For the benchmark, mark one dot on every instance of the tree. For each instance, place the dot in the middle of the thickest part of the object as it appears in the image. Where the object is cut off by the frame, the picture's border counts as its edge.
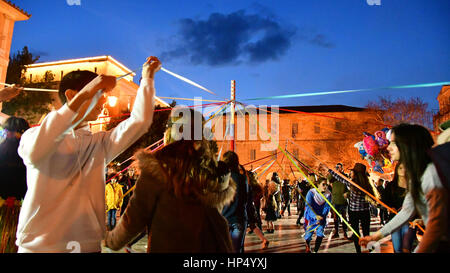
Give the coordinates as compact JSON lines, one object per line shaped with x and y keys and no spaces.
{"x":30,"y":105}
{"x":393,"y":112}
{"x":17,"y":64}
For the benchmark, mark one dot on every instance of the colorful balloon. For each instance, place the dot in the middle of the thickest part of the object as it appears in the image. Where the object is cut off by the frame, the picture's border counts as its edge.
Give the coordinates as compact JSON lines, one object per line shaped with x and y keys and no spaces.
{"x":360,"y":147}
{"x":380,"y":138}
{"x":373,"y":148}
{"x":370,"y":145}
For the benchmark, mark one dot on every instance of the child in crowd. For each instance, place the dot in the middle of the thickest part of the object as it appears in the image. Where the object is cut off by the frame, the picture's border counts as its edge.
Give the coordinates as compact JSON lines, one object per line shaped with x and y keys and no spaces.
{"x":316,"y":213}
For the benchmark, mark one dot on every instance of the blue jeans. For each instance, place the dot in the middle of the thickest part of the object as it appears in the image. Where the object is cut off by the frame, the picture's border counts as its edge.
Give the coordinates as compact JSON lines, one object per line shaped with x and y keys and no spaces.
{"x":398,"y":236}
{"x":237,"y":232}
{"x":111,"y":216}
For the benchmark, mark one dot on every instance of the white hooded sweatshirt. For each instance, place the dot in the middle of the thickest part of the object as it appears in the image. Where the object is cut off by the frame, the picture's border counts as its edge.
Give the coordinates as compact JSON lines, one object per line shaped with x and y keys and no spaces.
{"x":64,"y":207}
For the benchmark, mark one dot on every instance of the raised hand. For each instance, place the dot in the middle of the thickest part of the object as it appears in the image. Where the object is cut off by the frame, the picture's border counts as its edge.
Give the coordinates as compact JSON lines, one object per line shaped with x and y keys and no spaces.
{"x":151,"y":66}
{"x":10,"y":92}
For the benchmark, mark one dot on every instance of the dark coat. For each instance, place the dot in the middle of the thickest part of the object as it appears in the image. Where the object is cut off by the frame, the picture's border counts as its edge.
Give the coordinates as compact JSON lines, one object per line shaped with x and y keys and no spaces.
{"x":176,"y":225}
{"x":236,"y":211}
{"x":13,"y":179}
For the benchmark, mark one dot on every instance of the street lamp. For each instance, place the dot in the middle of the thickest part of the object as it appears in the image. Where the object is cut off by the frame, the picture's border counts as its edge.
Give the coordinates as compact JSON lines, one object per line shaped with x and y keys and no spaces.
{"x":112,"y":101}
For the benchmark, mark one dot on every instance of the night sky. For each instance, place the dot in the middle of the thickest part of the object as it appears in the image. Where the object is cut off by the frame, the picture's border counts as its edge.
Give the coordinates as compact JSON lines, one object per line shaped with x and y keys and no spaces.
{"x":269,"y":47}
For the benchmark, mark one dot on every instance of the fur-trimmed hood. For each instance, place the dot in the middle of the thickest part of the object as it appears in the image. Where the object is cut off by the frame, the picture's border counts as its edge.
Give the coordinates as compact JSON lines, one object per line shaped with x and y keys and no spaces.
{"x":216,"y":193}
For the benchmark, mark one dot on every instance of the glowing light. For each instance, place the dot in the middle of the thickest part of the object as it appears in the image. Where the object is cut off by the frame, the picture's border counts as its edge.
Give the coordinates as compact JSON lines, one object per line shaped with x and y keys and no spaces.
{"x":112,"y":101}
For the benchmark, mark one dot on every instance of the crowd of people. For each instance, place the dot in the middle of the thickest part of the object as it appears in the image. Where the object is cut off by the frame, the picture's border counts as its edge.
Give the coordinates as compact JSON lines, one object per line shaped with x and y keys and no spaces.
{"x":118,"y":190}
{"x":183,"y":198}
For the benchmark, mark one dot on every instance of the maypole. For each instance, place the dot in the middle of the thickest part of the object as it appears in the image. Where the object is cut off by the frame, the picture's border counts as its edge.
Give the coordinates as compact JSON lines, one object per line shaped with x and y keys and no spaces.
{"x":233,"y":104}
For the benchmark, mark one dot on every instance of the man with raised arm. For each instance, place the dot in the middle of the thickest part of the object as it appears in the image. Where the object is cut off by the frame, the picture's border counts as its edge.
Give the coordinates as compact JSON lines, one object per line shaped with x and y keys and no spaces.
{"x":64,"y":208}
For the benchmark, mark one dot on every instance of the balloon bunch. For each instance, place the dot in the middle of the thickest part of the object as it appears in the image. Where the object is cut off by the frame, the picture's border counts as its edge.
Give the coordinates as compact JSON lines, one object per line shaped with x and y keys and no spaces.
{"x":373,"y":148}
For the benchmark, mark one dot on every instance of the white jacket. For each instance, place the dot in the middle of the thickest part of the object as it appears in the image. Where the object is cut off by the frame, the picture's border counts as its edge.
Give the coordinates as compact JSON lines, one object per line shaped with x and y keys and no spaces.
{"x":64,"y":207}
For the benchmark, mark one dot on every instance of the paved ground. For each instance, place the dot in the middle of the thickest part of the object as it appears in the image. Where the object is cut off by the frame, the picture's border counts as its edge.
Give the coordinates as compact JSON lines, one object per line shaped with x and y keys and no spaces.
{"x":287,"y":238}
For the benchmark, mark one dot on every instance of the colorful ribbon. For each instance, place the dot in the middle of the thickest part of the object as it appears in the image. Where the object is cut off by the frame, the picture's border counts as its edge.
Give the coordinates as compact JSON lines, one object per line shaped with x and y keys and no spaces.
{"x":310,"y":182}
{"x":434,"y":84}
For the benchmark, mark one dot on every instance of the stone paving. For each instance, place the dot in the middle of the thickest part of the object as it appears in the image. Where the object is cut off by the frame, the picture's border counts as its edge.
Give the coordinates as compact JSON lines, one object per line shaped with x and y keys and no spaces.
{"x":287,"y":238}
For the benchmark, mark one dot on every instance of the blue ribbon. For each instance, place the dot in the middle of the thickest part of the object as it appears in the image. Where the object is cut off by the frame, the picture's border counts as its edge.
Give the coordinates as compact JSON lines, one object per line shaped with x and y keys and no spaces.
{"x":350,"y":91}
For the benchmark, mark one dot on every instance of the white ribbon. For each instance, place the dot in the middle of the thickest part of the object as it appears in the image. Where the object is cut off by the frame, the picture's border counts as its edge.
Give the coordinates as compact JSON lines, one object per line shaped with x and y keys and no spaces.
{"x":187,"y":80}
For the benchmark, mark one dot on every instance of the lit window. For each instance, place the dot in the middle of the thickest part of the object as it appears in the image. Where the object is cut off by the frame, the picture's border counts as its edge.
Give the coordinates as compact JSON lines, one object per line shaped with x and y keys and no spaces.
{"x":317,"y":127}
{"x":252,"y":129}
{"x":317,"y":151}
{"x":294,"y":130}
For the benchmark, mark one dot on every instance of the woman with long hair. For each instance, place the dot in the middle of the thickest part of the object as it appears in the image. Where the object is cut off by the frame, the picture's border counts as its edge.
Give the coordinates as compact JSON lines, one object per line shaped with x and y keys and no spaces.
{"x":179,"y":195}
{"x":236,"y":212}
{"x":254,"y":217}
{"x":426,"y":195}
{"x":13,"y":182}
{"x":359,"y":202}
{"x":269,"y":206}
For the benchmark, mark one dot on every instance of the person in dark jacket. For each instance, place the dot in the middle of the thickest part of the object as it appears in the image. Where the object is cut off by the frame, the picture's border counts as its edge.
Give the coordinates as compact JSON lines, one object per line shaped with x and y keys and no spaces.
{"x":276,"y":178}
{"x":383,"y":213}
{"x":13,"y":182}
{"x":339,"y":191}
{"x":303,"y":188}
{"x":286,"y":195}
{"x":236,"y":211}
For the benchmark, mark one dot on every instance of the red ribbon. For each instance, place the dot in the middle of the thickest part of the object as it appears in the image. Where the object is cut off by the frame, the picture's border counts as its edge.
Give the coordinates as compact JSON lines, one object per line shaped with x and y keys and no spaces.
{"x":10,"y":202}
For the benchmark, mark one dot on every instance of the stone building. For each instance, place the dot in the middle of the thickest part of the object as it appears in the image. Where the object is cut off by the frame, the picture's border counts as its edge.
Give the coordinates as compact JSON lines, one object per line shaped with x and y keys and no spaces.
{"x":121,"y":98}
{"x":444,"y":107}
{"x":125,"y":89}
{"x":312,"y":134}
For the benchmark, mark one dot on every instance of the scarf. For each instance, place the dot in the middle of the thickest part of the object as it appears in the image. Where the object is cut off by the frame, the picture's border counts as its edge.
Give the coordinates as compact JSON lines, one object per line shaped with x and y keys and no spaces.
{"x":318,"y":198}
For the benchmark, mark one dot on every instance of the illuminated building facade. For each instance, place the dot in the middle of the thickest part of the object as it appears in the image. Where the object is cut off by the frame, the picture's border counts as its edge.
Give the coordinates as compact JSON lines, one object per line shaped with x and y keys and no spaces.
{"x":9,"y":14}
{"x":122,"y":95}
{"x":444,"y":107}
{"x":312,"y":134}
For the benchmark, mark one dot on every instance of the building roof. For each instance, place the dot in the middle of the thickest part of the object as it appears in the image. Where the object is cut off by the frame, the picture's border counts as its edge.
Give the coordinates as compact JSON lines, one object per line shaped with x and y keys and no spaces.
{"x":17,"y":8}
{"x":125,"y":69}
{"x":104,"y":58}
{"x":321,"y":109}
{"x":444,"y":89}
{"x":317,"y":109}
